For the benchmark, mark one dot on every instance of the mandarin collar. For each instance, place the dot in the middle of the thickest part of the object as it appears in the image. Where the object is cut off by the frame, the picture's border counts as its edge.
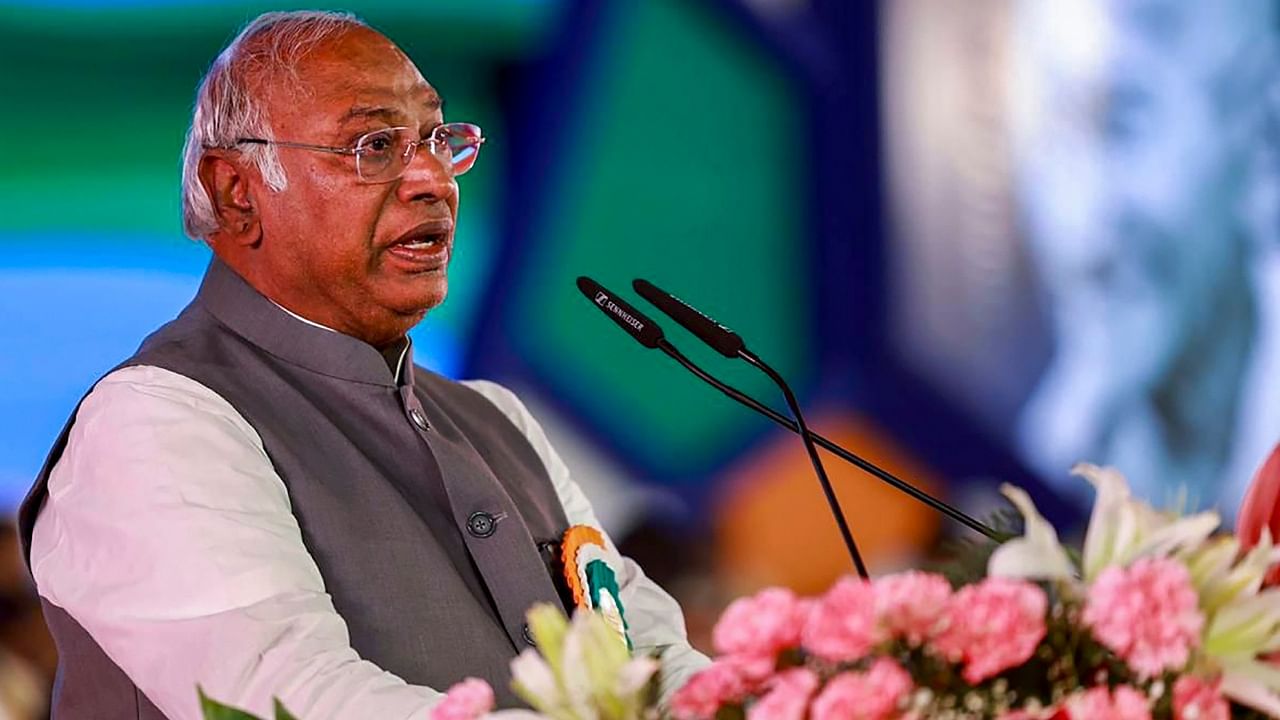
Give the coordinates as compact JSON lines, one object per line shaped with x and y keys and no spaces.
{"x":251,"y":315}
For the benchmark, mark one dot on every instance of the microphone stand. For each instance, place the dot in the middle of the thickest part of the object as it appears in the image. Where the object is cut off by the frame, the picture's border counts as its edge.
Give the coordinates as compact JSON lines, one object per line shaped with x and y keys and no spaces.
{"x":805,"y":435}
{"x":809,"y":447}
{"x":643,"y":330}
{"x":729,"y":344}
{"x":839,"y":451}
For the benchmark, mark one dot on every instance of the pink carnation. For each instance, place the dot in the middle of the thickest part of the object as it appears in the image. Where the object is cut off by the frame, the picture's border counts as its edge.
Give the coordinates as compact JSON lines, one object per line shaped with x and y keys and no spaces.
{"x":760,"y":626}
{"x":912,"y":604}
{"x":1148,"y":614}
{"x":1195,"y":699}
{"x":1099,"y":703}
{"x":842,"y":625}
{"x":993,"y":626}
{"x":871,"y":695}
{"x":466,"y":700}
{"x":752,"y":669}
{"x":788,"y":696}
{"x":719,"y":684}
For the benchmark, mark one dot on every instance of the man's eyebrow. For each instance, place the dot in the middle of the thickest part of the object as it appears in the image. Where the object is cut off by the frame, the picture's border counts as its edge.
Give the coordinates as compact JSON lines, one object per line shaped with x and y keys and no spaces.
{"x":360,"y":112}
{"x":433,"y":103}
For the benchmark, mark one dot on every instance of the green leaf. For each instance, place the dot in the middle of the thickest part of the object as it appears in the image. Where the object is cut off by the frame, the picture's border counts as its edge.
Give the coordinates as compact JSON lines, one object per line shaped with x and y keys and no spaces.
{"x":282,"y":713}
{"x":214,"y":710}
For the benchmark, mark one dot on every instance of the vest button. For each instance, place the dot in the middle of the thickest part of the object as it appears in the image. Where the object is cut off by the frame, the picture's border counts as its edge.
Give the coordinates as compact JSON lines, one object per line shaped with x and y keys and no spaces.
{"x":481,"y":524}
{"x":419,"y":419}
{"x":528,"y":635}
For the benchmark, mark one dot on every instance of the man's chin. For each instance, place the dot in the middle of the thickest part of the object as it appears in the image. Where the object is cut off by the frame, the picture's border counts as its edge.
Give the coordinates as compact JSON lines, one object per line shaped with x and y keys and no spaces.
{"x":418,"y":292}
{"x":418,"y":302}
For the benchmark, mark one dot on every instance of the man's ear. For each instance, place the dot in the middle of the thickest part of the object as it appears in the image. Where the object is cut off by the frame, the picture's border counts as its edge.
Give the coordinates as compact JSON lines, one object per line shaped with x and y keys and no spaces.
{"x":226,"y":181}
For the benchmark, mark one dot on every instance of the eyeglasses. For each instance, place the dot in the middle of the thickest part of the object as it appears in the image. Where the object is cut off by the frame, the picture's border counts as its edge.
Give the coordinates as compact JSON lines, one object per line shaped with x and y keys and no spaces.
{"x":383,"y":155}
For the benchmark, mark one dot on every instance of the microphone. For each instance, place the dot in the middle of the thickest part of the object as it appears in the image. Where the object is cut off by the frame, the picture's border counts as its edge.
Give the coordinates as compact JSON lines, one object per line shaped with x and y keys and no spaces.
{"x":648,"y":334}
{"x":725,"y":341}
{"x":722,"y":338}
{"x":620,"y":311}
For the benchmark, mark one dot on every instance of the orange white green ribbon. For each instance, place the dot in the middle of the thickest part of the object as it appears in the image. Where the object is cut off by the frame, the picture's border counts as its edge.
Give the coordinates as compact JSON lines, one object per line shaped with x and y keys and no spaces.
{"x":591,"y":578}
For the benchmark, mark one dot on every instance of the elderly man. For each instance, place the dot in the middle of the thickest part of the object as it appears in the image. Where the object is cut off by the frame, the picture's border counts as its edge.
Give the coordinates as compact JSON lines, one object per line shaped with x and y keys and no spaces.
{"x":270,"y":498}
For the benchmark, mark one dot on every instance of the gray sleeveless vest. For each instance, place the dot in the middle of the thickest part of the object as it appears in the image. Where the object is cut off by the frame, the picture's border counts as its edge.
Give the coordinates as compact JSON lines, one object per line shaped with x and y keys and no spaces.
{"x":432,"y":519}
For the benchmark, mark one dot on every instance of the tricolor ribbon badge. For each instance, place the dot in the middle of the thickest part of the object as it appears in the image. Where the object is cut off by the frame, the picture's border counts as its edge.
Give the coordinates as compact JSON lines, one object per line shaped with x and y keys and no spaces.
{"x":591,"y":577}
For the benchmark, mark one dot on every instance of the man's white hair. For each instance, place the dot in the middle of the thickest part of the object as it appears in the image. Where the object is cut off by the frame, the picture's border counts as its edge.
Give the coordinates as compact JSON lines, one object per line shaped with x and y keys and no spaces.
{"x":229,"y":103}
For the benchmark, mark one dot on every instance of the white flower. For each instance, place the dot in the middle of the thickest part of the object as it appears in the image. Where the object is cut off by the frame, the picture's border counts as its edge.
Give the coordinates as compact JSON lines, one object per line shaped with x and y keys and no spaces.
{"x":582,"y":669}
{"x":1221,"y":576}
{"x":636,"y":674}
{"x":535,"y":681}
{"x":1122,"y":529}
{"x":1037,"y":555}
{"x":1254,"y":684}
{"x":576,"y":672}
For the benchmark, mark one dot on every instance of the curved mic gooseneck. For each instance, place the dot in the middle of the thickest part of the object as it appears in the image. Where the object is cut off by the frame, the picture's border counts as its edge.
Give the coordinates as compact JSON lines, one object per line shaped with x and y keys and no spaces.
{"x":731,"y":345}
{"x":812,"y":449}
{"x":650,"y":335}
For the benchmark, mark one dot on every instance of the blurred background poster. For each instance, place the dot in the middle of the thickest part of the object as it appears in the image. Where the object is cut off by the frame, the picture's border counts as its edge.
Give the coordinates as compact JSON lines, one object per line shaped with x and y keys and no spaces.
{"x":984,"y":240}
{"x":1084,"y":211}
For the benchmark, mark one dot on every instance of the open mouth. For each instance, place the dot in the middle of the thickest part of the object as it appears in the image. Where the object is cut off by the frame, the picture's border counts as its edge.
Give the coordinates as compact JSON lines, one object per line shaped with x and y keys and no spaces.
{"x":421,"y":242}
{"x":423,"y":248}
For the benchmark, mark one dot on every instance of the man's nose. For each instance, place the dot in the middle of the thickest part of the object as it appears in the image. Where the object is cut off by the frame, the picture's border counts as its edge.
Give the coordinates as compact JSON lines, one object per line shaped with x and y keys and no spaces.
{"x":426,"y":177}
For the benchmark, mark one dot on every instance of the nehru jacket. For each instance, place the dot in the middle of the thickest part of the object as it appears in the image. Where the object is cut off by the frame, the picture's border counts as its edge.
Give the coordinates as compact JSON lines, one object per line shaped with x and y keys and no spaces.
{"x":264,"y":507}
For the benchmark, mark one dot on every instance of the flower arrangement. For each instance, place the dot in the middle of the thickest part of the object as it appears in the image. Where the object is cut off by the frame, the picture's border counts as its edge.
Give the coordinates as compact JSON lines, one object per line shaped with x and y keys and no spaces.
{"x":582,"y":670}
{"x":1156,"y":618}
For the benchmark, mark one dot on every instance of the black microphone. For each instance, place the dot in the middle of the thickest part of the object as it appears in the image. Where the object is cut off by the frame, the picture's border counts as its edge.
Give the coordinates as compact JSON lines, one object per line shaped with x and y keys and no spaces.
{"x":637,"y":325}
{"x":720,"y":337}
{"x":620,"y":311}
{"x":725,"y":341}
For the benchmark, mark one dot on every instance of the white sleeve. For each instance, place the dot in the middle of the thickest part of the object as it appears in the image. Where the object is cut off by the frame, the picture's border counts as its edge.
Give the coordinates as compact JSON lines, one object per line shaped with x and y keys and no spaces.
{"x":655,"y":620}
{"x":168,"y":536}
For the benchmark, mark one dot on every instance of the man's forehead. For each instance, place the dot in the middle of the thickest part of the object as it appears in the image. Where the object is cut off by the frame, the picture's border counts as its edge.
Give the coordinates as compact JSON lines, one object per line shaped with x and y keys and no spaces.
{"x":362,"y":57}
{"x":363,"y":72}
